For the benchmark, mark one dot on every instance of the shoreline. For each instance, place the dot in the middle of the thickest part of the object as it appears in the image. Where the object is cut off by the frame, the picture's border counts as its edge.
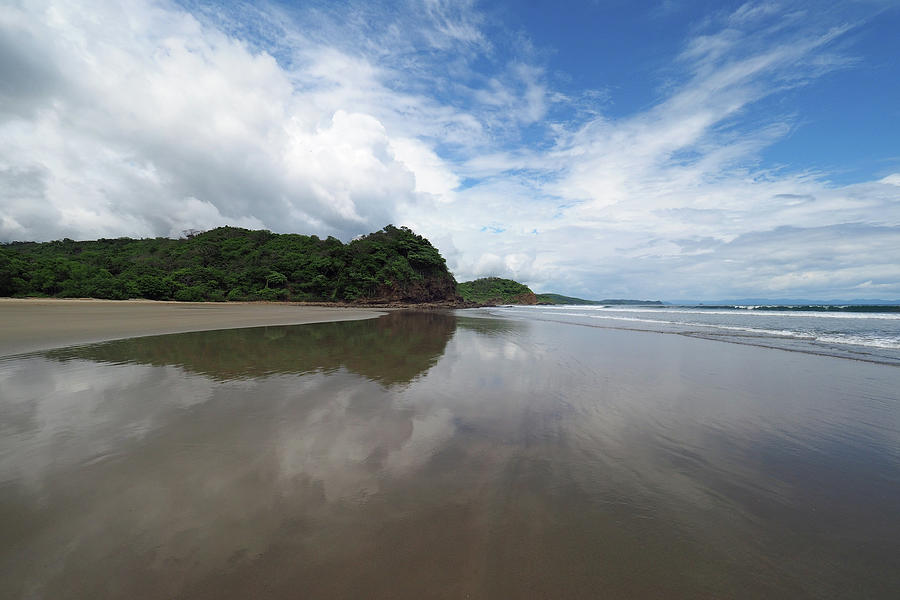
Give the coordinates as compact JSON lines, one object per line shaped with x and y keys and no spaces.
{"x":31,"y":325}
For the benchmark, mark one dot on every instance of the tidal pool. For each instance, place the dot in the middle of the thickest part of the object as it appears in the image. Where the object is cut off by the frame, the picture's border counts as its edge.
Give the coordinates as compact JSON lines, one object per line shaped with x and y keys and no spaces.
{"x":436,"y":455}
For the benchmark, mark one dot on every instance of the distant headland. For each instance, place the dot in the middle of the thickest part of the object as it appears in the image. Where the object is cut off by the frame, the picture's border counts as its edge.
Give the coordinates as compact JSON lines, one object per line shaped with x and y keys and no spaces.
{"x":497,"y":290}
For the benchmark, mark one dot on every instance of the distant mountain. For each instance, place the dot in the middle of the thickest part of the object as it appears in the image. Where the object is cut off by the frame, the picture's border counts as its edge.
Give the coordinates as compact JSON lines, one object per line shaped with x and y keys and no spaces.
{"x":560,"y":299}
{"x":785,"y":302}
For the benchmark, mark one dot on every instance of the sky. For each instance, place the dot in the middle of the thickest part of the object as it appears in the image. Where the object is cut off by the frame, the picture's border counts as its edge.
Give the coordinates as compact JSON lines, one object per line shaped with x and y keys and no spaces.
{"x":596,"y":148}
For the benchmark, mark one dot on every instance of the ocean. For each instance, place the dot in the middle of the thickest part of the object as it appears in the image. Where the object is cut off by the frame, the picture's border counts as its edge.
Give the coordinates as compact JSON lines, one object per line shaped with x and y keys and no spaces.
{"x":867,"y":333}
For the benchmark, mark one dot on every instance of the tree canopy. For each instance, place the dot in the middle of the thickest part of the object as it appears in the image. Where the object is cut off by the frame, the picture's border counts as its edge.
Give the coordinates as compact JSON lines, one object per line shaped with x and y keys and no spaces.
{"x":494,"y":290}
{"x":231,"y":263}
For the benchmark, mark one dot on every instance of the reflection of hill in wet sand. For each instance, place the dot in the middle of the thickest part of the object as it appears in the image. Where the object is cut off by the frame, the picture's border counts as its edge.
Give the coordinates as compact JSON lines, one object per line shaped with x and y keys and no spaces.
{"x":391,"y":349}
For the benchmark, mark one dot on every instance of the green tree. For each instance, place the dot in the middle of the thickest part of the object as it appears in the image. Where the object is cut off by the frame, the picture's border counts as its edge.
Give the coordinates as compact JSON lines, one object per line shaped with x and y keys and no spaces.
{"x":275,"y":279}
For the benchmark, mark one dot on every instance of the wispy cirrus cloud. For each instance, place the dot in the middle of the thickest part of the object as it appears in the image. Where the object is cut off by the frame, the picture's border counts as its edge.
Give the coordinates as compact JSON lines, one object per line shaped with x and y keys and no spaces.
{"x":627,"y":191}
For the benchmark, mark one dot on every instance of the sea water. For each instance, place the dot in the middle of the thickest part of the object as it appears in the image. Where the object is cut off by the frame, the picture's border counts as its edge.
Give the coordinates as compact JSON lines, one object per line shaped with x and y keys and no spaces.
{"x":870,"y":333}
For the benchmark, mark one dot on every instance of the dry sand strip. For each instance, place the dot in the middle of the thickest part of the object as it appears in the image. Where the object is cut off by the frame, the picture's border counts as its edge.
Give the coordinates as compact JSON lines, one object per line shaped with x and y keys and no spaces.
{"x":27,"y":325}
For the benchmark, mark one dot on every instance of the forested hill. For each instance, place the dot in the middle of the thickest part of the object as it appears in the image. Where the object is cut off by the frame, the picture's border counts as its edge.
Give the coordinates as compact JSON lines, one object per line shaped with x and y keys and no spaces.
{"x":230,"y":263}
{"x":496,"y":290}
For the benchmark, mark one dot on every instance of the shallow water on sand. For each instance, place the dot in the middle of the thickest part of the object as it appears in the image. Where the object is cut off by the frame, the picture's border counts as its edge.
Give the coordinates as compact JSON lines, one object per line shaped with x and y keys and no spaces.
{"x":441,"y":456}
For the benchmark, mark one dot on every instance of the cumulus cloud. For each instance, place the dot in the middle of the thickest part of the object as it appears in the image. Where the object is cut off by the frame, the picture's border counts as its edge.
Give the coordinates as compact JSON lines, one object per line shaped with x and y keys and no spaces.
{"x":138,"y":119}
{"x":147,"y":118}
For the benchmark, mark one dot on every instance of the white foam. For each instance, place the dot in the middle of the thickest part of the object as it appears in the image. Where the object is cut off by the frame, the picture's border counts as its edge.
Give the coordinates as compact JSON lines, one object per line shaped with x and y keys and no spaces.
{"x":759,"y":313}
{"x":858,"y":340}
{"x":809,"y":332}
{"x":757,"y":330}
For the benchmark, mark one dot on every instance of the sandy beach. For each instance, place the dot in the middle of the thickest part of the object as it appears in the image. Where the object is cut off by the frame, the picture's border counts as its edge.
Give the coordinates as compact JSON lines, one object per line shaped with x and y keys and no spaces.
{"x":27,"y":325}
{"x":438,"y":454}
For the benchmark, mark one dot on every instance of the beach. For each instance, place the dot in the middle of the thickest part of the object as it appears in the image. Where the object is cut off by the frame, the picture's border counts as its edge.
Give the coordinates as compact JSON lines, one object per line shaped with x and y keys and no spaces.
{"x":446,"y":455}
{"x":27,"y":325}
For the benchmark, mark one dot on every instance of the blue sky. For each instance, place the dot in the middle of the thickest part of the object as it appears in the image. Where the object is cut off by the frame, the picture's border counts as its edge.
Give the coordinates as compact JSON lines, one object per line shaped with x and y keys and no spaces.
{"x":596,"y":148}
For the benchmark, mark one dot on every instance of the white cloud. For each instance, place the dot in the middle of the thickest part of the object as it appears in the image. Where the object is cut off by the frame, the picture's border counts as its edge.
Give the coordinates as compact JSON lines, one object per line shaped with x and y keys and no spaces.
{"x":144,"y":119}
{"x":752,"y":11}
{"x":150,"y":122}
{"x":431,"y":174}
{"x":892,"y":179}
{"x":455,"y":21}
{"x":631,"y":191}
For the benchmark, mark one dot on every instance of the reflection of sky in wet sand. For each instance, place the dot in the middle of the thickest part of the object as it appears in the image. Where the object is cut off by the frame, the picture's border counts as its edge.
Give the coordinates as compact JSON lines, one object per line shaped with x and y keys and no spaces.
{"x":525,"y":460}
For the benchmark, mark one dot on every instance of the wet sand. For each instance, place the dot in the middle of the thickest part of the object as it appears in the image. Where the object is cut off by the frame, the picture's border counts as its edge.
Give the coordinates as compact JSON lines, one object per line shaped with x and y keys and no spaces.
{"x":440,"y":455}
{"x":28,"y":325}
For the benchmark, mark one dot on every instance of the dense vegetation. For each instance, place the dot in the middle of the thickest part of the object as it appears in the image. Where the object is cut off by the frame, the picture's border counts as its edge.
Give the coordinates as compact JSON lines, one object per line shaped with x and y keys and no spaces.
{"x":495,"y":290}
{"x":230,"y":263}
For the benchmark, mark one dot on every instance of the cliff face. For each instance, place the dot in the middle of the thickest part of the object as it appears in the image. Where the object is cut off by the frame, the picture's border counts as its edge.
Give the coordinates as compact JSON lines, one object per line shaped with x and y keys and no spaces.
{"x":435,"y":287}
{"x":526,"y":298}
